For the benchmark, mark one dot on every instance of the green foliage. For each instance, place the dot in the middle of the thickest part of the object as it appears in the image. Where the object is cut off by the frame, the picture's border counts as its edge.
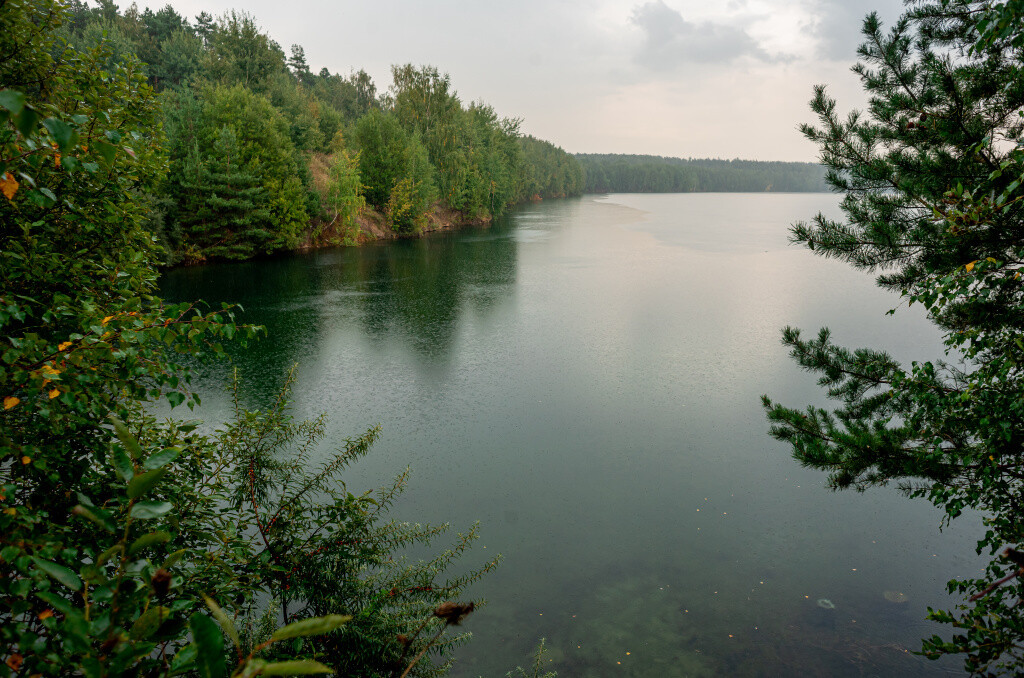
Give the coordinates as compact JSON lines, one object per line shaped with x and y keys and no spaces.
{"x":382,"y":149}
{"x":389,"y":157}
{"x":1001,"y":22}
{"x":549,"y":172}
{"x":239,"y":54}
{"x":932,"y":176}
{"x":301,"y":112}
{"x":83,"y":338}
{"x":126,"y":544}
{"x":536,"y":669}
{"x":404,"y":212}
{"x":298,"y":66}
{"x":137,"y":598}
{"x":109,"y":33}
{"x":655,"y":174}
{"x":233,"y":177}
{"x":228,"y":73}
{"x":352,"y":97}
{"x":180,"y":59}
{"x":425,"y":106}
{"x":222,"y":208}
{"x":477,"y":157}
{"x":342,"y":197}
{"x":325,"y":549}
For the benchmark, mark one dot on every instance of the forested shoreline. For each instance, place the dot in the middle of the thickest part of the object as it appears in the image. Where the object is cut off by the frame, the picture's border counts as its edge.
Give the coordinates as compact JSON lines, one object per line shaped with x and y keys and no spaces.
{"x":132,"y":546}
{"x":615,"y":173}
{"x":267,"y":155}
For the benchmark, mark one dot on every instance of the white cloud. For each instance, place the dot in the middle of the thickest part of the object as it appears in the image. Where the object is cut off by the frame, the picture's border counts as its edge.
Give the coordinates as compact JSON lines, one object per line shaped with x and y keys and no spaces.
{"x":667,"y":77}
{"x":836,"y":24}
{"x":671,"y":42}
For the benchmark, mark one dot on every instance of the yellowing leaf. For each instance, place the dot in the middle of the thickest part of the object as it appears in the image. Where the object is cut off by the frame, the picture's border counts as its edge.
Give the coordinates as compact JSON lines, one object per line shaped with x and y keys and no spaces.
{"x":49,"y":369}
{"x":107,"y":320}
{"x":56,"y":159}
{"x":61,"y":347}
{"x":970,"y":266}
{"x":9,"y":185}
{"x":54,"y":393}
{"x":10,"y":401}
{"x":11,"y":511}
{"x":26,"y":460}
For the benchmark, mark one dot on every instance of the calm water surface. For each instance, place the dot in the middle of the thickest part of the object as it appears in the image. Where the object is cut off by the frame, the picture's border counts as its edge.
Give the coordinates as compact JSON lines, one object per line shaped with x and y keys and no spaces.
{"x":583,"y":378}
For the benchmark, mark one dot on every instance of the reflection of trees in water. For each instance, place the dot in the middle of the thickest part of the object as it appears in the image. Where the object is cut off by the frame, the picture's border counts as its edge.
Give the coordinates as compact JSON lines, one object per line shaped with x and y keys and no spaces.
{"x":413,"y":290}
{"x":419,"y":289}
{"x":273,"y":293}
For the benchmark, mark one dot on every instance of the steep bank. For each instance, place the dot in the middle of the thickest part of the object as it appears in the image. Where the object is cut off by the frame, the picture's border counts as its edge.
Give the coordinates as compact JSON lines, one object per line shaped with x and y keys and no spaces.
{"x":369,"y":225}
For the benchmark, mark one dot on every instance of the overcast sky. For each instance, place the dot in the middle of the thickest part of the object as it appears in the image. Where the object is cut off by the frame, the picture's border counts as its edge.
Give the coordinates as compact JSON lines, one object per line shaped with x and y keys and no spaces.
{"x":688,"y":78}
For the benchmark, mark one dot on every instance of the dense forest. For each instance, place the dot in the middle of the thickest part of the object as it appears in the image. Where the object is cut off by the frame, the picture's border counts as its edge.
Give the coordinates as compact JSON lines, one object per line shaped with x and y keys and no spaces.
{"x":267,"y":155}
{"x":656,"y":174}
{"x":131,"y":546}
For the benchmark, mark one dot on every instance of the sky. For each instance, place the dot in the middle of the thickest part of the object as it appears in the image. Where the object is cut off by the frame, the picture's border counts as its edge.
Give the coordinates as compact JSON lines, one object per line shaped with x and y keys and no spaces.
{"x":684,"y":78}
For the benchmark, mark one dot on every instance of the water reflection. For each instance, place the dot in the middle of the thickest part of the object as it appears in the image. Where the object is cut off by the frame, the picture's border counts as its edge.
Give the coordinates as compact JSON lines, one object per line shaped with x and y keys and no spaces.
{"x":584,"y":379}
{"x":417,"y":290}
{"x":412,"y":292}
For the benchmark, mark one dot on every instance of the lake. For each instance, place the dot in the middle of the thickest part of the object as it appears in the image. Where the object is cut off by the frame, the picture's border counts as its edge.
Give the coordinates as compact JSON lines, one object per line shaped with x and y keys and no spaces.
{"x":583,"y":378}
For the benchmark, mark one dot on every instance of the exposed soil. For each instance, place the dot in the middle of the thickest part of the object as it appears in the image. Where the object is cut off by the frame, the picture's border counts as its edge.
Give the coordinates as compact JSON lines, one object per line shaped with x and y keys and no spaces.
{"x":371,"y":224}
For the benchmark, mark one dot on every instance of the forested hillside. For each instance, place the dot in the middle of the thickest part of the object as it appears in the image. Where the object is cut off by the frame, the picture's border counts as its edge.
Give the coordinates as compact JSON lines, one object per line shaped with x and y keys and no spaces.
{"x":655,"y":174}
{"x":268,"y":155}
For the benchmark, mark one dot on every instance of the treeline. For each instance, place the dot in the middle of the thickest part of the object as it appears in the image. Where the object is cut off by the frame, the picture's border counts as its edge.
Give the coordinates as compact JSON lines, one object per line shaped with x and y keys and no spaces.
{"x":656,"y":174}
{"x":267,"y":155}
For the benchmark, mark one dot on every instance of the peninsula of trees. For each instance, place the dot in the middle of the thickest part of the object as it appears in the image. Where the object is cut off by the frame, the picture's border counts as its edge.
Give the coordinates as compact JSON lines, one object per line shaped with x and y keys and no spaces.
{"x":266,"y":155}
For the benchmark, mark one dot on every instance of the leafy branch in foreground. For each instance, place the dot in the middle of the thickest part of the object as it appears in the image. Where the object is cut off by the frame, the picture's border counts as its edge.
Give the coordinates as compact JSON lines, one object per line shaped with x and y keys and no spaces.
{"x":123,"y":610}
{"x":325,"y":549}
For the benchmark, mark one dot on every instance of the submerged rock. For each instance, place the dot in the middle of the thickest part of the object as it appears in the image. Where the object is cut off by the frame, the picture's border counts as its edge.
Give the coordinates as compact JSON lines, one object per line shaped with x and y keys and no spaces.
{"x":895,"y":597}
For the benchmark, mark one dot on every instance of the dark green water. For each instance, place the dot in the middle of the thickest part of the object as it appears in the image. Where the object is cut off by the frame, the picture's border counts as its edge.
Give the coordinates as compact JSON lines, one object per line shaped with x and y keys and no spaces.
{"x":583,"y":378}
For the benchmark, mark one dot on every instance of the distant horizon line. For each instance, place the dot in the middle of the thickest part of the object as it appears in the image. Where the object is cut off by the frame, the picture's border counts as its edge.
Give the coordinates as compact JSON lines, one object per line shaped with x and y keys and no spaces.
{"x":679,"y":157}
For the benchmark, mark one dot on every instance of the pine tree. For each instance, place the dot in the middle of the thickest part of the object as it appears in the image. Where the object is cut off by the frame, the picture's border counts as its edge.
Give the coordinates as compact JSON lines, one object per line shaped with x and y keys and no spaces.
{"x":931,"y":174}
{"x":223,"y":212}
{"x":204,"y":27}
{"x":297,"y":63}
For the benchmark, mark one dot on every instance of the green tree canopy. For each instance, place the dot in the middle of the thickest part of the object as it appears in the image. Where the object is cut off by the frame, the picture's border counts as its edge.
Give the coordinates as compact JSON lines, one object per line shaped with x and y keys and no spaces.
{"x":213,"y":73}
{"x":391,"y":158}
{"x":265,"y":166}
{"x":240,"y":54}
